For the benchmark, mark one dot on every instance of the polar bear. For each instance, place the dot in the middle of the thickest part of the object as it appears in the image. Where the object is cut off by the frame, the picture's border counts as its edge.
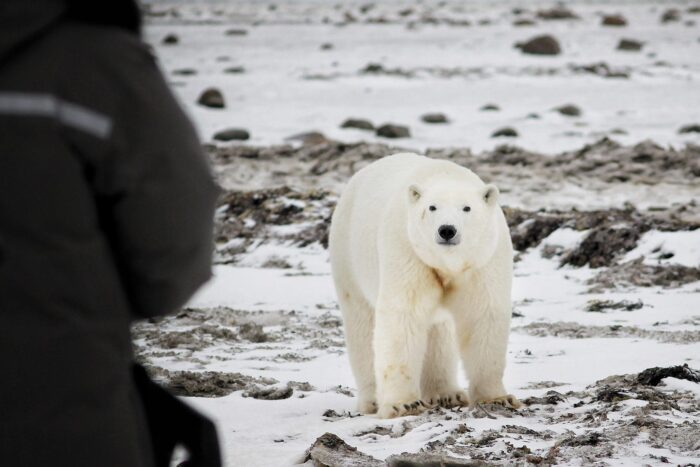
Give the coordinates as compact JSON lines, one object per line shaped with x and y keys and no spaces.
{"x":422,"y":263}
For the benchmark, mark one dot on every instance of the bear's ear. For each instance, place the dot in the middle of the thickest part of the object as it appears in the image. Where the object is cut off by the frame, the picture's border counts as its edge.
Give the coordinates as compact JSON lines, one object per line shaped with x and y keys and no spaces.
{"x":414,"y":193}
{"x":491,"y":194}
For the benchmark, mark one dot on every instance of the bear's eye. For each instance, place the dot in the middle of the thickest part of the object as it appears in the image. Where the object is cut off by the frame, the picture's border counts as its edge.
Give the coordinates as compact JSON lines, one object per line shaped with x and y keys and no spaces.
{"x":432,"y":207}
{"x":466,"y":209}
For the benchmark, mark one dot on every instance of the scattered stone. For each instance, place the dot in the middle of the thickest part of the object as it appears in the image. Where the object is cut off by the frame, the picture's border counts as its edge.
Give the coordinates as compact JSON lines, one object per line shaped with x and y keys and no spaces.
{"x":599,"y":306}
{"x":393,"y":131}
{"x":601,"y":69}
{"x":693,"y":128}
{"x":424,"y":459}
{"x":327,"y":46}
{"x":234,"y":70}
{"x":531,"y":232}
{"x":671,"y":15}
{"x":602,"y":246}
{"x":185,"y":72}
{"x":571,"y":330}
{"x":212,"y":98}
{"x":570,"y":110}
{"x":253,"y":332}
{"x":490,"y":108}
{"x":637,"y":274}
{"x":232,"y":134}
{"x":358,"y":123}
{"x":207,"y":383}
{"x":557,"y":13}
{"x":331,"y":451}
{"x":630,"y":45}
{"x":236,"y":32}
{"x":435,"y":118}
{"x":540,"y":45}
{"x":524,"y":22}
{"x":653,"y":376}
{"x":507,"y":132}
{"x":589,"y":439}
{"x":614,"y":20}
{"x":550,"y":398}
{"x":170,"y":39}
{"x":309,"y":138}
{"x":269,"y":393}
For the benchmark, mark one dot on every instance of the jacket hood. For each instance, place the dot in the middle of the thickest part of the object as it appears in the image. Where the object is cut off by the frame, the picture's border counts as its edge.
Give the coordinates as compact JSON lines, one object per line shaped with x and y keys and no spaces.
{"x":23,"y":20}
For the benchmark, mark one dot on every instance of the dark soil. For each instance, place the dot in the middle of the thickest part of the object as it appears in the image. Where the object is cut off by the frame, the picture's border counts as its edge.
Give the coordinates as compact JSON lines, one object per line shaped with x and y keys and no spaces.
{"x":653,"y":376}
{"x":206,"y":383}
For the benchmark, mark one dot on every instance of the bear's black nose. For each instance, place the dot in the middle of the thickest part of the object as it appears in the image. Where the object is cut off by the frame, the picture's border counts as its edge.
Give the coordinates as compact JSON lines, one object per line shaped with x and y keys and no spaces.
{"x":447,"y":232}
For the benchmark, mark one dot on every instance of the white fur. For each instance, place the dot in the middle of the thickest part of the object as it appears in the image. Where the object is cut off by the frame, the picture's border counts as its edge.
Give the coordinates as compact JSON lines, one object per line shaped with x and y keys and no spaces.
{"x":410,"y":305}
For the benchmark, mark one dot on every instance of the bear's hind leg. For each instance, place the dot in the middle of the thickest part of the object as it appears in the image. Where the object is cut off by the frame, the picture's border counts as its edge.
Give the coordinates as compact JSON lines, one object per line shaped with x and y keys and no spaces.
{"x":439,"y":377}
{"x":358,"y":321}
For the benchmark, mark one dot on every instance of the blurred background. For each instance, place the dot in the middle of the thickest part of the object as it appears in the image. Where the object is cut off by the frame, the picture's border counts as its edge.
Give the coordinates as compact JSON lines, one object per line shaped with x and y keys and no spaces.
{"x":584,"y":113}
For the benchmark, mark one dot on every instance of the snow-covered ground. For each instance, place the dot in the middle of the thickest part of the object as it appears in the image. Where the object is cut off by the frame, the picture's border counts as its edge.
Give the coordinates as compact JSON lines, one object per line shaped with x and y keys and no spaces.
{"x":596,"y":294}
{"x":291,"y":84}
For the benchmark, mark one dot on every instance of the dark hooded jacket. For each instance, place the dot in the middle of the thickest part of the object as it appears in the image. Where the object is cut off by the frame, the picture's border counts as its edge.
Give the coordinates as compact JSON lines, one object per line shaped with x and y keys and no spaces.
{"x":106,"y":208}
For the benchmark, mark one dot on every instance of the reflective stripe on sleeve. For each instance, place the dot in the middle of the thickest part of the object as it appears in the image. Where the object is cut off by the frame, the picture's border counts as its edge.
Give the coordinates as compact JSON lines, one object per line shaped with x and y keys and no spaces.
{"x":67,"y":113}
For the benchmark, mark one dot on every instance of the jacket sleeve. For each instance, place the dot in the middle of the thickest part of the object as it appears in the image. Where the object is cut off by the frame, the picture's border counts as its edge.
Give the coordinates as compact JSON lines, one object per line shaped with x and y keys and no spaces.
{"x":156,"y":189}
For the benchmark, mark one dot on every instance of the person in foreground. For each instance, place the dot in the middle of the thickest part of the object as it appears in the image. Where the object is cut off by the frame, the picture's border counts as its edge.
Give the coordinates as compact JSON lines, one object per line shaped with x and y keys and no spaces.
{"x":422,"y":263}
{"x":106,"y":211}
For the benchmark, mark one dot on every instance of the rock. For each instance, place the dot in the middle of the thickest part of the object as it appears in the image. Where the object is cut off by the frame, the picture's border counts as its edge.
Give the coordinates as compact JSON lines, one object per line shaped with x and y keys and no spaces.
{"x":524,"y":22}
{"x":428,"y":459}
{"x":269,"y":393}
{"x":326,"y":46}
{"x":550,"y":398}
{"x":185,"y":72}
{"x":569,"y":110}
{"x":253,"y":332}
{"x":601,"y":69}
{"x":309,"y":138}
{"x":212,"y":97}
{"x":693,"y":128}
{"x":358,"y":123}
{"x":540,"y":45}
{"x":236,"y":32}
{"x":434,"y":118}
{"x":671,"y":15}
{"x":490,"y":108}
{"x":653,"y":376}
{"x":329,"y":450}
{"x":602,"y":246}
{"x":390,"y":130}
{"x":170,"y":39}
{"x":557,"y":13}
{"x":232,"y":134}
{"x":507,"y":132}
{"x":209,"y":383}
{"x":531,"y":232}
{"x":614,"y":20}
{"x":373,"y":68}
{"x":591,"y":438}
{"x":630,"y":44}
{"x":599,"y":306}
{"x":234,"y":70}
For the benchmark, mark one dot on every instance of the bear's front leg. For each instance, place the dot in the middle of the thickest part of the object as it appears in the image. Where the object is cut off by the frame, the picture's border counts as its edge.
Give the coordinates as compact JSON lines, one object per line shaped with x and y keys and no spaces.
{"x":400,"y":338}
{"x":484,"y":357}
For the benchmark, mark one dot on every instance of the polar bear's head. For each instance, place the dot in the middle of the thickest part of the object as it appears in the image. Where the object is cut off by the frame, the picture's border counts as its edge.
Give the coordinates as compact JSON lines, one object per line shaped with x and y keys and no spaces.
{"x":453,"y":224}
